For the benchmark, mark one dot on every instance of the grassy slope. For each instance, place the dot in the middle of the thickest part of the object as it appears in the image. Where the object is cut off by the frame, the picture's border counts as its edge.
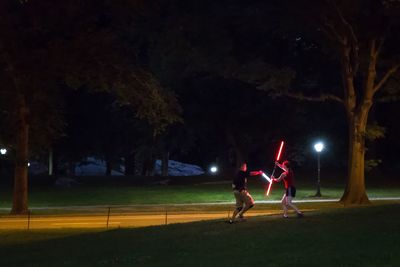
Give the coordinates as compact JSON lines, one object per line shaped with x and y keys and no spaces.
{"x":366,"y":236}
{"x":127,"y":195}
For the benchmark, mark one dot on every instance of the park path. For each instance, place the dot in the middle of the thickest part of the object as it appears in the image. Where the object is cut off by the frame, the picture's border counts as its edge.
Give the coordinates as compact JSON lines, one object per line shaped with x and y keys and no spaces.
{"x":116,"y":220}
{"x":119,"y":216}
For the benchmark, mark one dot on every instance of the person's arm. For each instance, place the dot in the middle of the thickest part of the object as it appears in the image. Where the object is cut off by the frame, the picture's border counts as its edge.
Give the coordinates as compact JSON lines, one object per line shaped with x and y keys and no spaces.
{"x":281,"y":166}
{"x":254,"y":173}
{"x":283,"y":175}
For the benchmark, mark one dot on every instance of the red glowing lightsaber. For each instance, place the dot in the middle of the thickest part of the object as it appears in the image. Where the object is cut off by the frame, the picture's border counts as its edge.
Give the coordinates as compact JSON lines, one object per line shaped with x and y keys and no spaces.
{"x":280,"y":151}
{"x":278,"y":156}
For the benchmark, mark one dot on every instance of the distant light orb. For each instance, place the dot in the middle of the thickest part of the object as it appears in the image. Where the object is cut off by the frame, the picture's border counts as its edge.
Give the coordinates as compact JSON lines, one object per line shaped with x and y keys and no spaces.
{"x":3,"y":151}
{"x":29,"y":164}
{"x":213,"y":169}
{"x":319,"y":147}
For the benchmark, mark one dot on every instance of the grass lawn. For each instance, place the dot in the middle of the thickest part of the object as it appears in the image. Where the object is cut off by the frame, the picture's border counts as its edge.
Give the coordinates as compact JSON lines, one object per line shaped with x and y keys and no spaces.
{"x":364,"y":236}
{"x":173,"y":194}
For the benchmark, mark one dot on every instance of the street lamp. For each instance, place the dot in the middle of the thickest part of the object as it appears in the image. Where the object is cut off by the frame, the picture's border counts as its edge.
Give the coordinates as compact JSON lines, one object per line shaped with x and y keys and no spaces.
{"x":3,"y":151}
{"x":319,"y":147}
{"x":214,"y":169}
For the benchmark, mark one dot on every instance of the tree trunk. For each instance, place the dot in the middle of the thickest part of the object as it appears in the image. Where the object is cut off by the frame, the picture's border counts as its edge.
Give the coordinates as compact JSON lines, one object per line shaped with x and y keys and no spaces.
{"x":151,"y":161}
{"x":56,"y":170}
{"x":130,"y":164}
{"x":164,"y":164}
{"x":355,"y":188}
{"x":20,"y":195}
{"x":51,"y":162}
{"x":71,"y":168}
{"x":148,"y":166}
{"x":108,"y":167}
{"x":357,"y":114}
{"x":151,"y":168}
{"x":239,"y":157}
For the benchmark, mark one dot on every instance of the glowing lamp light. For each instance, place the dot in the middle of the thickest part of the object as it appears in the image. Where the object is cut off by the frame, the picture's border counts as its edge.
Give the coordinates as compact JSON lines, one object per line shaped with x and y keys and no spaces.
{"x":319,"y":147}
{"x":29,"y":164}
{"x":3,"y":151}
{"x":213,"y":169}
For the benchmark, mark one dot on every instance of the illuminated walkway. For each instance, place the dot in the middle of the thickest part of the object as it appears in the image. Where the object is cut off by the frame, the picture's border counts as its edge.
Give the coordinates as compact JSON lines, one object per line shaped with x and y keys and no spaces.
{"x":142,"y":215}
{"x":134,"y":219}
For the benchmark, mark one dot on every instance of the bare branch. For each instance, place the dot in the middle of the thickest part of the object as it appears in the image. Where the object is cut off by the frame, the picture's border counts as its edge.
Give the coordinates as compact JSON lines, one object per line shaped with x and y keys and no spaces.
{"x":371,"y":73}
{"x":302,"y":97}
{"x":352,"y":35}
{"x":332,"y":33}
{"x":389,"y":73}
{"x":345,"y":23}
{"x":388,"y":99}
{"x":380,"y":45}
{"x":326,"y":97}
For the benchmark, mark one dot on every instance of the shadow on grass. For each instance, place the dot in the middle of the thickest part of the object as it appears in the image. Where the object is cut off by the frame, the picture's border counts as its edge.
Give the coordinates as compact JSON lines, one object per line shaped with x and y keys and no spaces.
{"x":366,"y":236}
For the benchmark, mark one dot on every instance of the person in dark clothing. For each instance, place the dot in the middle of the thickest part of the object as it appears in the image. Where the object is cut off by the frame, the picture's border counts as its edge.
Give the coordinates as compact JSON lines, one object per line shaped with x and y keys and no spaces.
{"x":290,"y":190}
{"x":244,"y":201}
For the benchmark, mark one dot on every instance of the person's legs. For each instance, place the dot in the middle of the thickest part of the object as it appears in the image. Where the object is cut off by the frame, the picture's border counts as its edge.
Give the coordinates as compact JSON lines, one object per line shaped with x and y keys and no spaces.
{"x":239,"y":205}
{"x":235,"y":213}
{"x":290,"y":204}
{"x":291,"y":194}
{"x":284,"y":206}
{"x":244,"y":209}
{"x":248,"y":203}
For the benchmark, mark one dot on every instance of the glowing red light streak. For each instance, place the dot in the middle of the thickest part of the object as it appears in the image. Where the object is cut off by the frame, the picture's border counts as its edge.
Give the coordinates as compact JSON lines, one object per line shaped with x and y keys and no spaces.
{"x":280,"y":151}
{"x":269,"y":188}
{"x":277,"y":159}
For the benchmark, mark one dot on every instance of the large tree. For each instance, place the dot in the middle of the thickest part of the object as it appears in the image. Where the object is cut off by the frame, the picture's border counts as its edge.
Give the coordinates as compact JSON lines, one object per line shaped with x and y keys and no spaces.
{"x":46,"y":47}
{"x":364,"y":37}
{"x":357,"y":39}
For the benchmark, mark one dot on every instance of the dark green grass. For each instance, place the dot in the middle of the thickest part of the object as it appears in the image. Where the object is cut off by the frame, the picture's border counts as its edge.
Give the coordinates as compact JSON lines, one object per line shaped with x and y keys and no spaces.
{"x":174,"y":194}
{"x":366,"y":236}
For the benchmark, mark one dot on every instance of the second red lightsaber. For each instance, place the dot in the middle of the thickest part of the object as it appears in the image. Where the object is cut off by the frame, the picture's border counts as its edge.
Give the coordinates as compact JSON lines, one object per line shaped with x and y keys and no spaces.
{"x":278,"y":156}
